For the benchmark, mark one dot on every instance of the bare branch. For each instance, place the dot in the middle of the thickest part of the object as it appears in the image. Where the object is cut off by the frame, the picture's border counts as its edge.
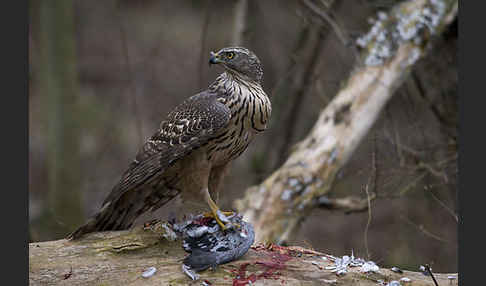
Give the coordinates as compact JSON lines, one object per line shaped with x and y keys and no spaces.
{"x":329,"y":20}
{"x":448,"y":209}
{"x":368,"y":222}
{"x":307,"y":83}
{"x":278,"y":101}
{"x":374,"y":177}
{"x":349,"y":204}
{"x":423,"y":229}
{"x":412,"y":184}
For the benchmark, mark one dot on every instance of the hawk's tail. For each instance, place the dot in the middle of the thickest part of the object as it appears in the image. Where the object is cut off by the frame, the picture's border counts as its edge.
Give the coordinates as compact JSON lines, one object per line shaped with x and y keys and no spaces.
{"x":95,"y":223}
{"x":120,"y":213}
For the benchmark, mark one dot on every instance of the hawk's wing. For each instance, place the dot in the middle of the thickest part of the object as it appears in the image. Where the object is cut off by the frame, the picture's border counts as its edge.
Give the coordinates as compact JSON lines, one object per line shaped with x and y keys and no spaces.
{"x":190,"y":125}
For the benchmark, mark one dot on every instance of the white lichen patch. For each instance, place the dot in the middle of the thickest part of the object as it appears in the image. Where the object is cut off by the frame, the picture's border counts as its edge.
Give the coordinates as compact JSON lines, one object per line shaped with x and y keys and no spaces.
{"x":408,"y":22}
{"x":308,"y":179}
{"x":332,"y":156}
{"x":414,"y":56}
{"x":307,"y":190}
{"x":293,"y":182}
{"x":286,"y":195}
{"x":262,"y":189}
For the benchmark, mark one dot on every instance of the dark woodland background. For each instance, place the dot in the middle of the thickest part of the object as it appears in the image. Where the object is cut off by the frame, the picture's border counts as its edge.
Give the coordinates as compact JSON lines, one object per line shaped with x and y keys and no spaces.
{"x":103,"y":74}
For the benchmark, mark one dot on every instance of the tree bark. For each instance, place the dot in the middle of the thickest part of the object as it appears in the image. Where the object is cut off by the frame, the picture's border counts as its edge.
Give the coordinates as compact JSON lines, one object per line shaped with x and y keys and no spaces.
{"x":239,"y":22}
{"x":396,"y":41}
{"x":120,"y":258}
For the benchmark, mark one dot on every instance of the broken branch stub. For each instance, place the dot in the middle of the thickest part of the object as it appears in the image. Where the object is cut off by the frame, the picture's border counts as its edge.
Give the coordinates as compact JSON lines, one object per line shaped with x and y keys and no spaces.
{"x":391,"y":48}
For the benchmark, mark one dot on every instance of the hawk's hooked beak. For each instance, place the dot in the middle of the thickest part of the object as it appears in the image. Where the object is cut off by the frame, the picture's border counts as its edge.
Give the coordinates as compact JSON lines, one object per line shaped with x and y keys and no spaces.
{"x":214,"y":58}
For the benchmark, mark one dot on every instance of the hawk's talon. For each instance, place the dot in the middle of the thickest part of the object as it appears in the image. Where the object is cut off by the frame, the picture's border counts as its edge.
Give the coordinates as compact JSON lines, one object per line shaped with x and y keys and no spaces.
{"x":223,"y":219}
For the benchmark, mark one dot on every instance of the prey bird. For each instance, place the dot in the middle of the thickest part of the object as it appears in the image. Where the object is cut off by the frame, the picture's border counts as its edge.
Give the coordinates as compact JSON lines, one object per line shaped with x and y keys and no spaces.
{"x":189,"y":153}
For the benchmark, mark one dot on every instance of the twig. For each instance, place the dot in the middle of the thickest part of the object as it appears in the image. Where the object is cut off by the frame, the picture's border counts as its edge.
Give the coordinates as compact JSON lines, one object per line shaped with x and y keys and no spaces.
{"x":411,"y":184}
{"x":433,"y":107}
{"x":373,"y":176}
{"x":329,"y":20}
{"x":283,"y":79}
{"x":439,"y":174}
{"x":447,"y":160}
{"x":368,"y":222}
{"x":293,"y":64}
{"x":374,"y":168}
{"x":418,"y":155}
{"x":350,"y":204}
{"x":403,"y":147}
{"x":449,"y":210}
{"x":327,"y":4}
{"x":427,"y":267}
{"x":308,"y":78}
{"x":396,"y":140}
{"x":278,"y":101}
{"x":67,"y":275}
{"x":423,"y":230}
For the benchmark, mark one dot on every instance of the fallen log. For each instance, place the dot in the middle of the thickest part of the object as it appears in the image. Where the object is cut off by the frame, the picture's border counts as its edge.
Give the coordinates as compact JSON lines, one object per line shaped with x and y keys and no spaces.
{"x":125,"y":257}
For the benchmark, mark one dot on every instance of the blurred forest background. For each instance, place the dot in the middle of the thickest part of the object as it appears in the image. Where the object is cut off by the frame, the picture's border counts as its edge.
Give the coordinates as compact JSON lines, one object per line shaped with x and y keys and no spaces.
{"x":103,"y":74}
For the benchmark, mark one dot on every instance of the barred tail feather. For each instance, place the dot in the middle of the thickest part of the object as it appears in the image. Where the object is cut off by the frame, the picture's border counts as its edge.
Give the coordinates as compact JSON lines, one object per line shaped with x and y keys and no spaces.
{"x":120,"y":213}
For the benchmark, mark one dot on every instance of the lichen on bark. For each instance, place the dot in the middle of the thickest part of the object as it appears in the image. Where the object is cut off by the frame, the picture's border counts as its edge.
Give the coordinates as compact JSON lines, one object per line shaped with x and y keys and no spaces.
{"x":411,"y":22}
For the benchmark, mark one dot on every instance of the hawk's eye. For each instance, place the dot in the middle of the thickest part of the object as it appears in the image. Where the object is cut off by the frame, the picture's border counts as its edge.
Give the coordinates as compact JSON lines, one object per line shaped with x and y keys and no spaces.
{"x":230,"y":55}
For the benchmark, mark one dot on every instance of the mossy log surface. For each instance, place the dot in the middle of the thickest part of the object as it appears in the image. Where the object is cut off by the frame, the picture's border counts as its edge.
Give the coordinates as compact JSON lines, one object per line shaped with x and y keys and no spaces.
{"x":120,"y":258}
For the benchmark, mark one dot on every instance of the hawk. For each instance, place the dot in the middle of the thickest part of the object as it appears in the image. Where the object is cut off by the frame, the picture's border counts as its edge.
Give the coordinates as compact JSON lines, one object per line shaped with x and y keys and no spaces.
{"x":189,"y":153}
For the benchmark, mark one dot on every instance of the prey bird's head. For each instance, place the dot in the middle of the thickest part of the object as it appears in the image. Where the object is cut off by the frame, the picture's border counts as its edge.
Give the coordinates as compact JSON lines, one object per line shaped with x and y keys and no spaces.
{"x":238,"y":60}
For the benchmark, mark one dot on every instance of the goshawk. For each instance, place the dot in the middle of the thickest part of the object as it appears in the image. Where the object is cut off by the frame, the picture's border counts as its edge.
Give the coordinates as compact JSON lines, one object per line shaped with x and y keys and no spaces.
{"x":189,"y":153}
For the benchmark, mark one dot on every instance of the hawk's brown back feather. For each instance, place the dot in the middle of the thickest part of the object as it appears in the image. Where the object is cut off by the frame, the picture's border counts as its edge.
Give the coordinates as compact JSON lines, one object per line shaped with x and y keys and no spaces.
{"x":190,"y":125}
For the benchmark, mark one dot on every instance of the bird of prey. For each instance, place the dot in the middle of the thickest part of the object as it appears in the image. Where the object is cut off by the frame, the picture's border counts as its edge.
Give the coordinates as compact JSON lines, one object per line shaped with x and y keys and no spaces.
{"x":192,"y":148}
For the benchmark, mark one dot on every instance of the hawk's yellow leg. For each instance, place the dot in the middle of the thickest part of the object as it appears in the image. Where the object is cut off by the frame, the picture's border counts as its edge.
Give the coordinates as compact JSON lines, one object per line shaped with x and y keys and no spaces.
{"x":216,"y":213}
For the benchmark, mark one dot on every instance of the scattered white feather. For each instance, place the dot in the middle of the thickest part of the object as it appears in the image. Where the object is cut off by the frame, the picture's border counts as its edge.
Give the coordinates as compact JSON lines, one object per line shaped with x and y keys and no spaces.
{"x":369,"y":266}
{"x":149,"y":272}
{"x":405,"y":279}
{"x":189,"y":272}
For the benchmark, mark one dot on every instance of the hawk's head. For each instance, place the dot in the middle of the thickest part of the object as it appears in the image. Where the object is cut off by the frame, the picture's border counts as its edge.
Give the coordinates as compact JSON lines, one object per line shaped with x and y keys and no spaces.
{"x":239,"y":60}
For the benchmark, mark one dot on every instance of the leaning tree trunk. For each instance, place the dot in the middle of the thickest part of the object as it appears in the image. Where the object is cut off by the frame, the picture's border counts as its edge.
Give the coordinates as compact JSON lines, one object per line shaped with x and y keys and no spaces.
{"x":391,"y":48}
{"x":239,"y":22}
{"x":122,"y":257}
{"x":58,"y":87}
